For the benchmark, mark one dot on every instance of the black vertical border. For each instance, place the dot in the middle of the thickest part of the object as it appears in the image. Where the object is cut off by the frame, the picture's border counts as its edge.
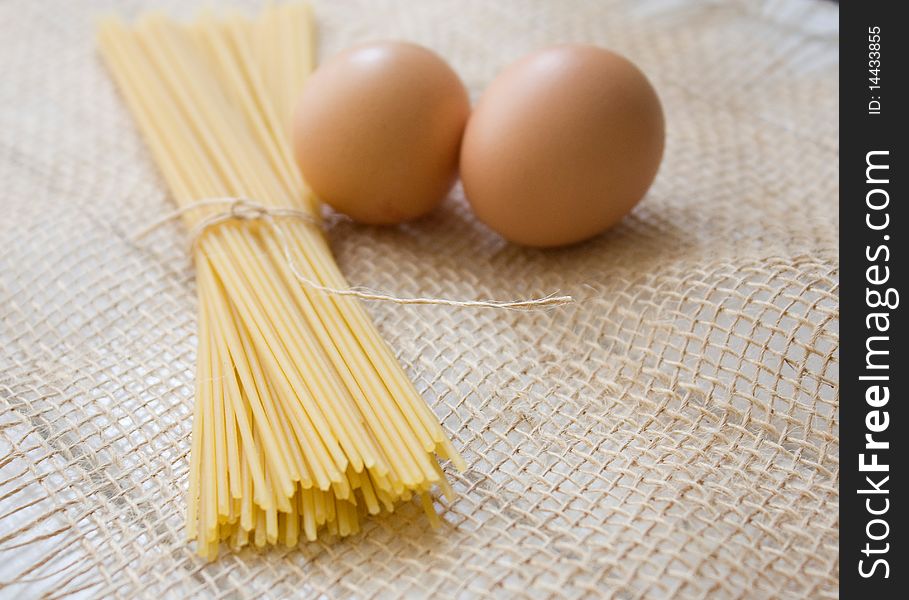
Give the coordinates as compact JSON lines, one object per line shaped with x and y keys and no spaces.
{"x":860,"y":133}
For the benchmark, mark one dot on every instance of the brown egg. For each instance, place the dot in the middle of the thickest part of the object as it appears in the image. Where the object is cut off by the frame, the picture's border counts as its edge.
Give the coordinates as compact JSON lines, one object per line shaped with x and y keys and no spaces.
{"x":562,"y":145}
{"x":377,"y":131}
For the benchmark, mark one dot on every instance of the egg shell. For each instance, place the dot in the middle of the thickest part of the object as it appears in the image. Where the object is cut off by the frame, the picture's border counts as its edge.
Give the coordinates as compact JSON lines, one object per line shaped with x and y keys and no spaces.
{"x":377,"y":131}
{"x":562,"y":145}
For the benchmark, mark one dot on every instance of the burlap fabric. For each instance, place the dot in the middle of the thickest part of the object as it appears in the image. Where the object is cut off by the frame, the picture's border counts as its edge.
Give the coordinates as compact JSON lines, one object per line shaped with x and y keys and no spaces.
{"x":673,"y":434}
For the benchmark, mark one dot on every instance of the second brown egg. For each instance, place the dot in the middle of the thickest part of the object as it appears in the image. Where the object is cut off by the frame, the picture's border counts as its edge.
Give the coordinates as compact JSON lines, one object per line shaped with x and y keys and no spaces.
{"x":562,"y":145}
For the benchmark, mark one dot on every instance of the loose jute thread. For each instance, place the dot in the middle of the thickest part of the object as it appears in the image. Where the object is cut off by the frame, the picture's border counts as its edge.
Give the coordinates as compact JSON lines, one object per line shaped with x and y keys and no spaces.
{"x":243,"y":209}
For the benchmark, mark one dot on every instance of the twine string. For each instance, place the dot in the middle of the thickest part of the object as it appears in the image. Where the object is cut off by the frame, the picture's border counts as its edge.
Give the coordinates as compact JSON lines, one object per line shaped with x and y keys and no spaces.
{"x":243,"y":209}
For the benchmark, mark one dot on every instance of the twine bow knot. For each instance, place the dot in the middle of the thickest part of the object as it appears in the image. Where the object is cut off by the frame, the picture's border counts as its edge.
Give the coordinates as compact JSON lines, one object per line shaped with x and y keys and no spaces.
{"x":244,"y":209}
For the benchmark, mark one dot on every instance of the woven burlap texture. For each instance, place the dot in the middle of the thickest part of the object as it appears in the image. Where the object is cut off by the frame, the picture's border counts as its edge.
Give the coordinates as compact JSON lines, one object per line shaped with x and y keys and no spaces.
{"x":672,"y":434}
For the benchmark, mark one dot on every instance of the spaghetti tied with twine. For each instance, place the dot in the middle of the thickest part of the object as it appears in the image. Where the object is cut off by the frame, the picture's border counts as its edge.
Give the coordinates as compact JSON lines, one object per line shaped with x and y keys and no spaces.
{"x":243,"y":209}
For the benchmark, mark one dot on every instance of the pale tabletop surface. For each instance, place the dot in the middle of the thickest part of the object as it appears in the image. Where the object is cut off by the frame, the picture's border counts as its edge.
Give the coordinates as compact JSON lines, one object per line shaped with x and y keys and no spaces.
{"x":674,"y":433}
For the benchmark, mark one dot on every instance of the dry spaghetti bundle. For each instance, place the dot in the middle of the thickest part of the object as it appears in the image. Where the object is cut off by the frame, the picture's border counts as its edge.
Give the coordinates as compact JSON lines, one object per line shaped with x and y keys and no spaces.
{"x":304,"y":420}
